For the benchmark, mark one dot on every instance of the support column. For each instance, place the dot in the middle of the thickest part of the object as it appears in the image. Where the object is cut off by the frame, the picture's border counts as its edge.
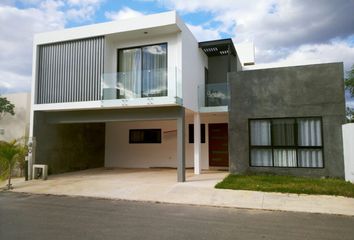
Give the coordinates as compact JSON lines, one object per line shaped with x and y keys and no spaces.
{"x":197,"y":144}
{"x":181,"y":165}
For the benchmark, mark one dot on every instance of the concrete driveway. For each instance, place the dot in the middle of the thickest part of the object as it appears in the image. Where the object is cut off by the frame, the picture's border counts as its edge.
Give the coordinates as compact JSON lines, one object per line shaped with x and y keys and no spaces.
{"x":159,"y":185}
{"x":116,"y":183}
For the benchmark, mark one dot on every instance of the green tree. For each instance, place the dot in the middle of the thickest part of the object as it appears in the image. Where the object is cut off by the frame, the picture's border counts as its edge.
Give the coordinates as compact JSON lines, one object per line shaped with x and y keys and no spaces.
{"x":349,"y":85}
{"x":6,"y":107}
{"x":350,"y":114}
{"x":349,"y":81}
{"x":10,"y":154}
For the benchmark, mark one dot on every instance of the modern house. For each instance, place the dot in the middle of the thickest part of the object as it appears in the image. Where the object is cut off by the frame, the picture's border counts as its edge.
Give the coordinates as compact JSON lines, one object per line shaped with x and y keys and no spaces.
{"x":144,"y":93}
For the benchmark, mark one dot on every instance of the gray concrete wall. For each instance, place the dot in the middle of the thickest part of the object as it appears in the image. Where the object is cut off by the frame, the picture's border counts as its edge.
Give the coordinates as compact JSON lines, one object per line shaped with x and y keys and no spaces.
{"x":68,"y":147}
{"x":302,"y":91}
{"x":218,"y":68}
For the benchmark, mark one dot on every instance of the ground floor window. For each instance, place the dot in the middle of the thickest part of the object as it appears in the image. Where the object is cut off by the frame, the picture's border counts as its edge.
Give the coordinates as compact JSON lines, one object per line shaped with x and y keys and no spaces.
{"x":287,"y":142}
{"x":144,"y":136}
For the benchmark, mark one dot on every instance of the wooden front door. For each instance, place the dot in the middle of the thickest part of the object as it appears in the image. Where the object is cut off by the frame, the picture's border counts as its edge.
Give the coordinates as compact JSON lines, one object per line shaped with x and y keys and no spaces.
{"x":218,"y":145}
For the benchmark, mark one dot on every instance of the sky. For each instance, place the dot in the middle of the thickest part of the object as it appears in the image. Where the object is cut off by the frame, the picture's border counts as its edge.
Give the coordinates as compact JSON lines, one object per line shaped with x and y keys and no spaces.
{"x":285,"y":32}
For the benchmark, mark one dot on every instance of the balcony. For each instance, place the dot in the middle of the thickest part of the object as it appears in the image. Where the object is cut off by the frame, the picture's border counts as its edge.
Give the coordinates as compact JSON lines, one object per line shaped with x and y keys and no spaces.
{"x":140,"y":88}
{"x":213,"y":97}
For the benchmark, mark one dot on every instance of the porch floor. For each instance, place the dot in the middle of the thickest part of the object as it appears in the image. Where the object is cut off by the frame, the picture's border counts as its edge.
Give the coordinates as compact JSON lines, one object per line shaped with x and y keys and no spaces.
{"x":159,"y":185}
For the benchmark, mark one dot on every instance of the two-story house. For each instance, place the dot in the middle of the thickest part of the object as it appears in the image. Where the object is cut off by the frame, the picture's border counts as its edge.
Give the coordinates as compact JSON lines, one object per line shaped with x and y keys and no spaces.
{"x":143,"y":92}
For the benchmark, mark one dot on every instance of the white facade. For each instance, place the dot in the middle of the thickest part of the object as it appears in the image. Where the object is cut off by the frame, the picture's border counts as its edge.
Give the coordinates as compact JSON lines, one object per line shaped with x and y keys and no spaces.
{"x":186,"y":64}
{"x":186,"y":61}
{"x":119,"y":153}
{"x":348,"y":143}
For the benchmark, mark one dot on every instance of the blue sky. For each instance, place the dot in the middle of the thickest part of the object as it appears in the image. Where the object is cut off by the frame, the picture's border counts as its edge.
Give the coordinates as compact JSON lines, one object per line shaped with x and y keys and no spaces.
{"x":287,"y":32}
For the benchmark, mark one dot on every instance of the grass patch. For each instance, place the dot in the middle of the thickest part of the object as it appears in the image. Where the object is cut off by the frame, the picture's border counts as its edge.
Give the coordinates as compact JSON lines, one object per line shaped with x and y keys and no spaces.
{"x":288,"y":184}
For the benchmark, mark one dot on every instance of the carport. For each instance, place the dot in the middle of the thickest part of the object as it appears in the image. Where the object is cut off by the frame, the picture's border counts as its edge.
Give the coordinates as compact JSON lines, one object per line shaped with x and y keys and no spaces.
{"x":75,"y":140}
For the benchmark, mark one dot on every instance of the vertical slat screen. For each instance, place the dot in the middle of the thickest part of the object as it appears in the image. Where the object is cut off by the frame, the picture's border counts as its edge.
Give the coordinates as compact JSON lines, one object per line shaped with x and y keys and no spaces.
{"x":70,"y":71}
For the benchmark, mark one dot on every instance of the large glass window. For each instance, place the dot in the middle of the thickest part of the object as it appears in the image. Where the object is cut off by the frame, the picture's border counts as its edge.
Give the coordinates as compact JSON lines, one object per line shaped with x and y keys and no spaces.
{"x":290,"y":142}
{"x":142,"y":71}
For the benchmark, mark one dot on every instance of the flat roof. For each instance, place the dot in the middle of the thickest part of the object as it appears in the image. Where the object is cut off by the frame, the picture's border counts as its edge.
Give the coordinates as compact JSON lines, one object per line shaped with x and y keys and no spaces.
{"x":160,"y":22}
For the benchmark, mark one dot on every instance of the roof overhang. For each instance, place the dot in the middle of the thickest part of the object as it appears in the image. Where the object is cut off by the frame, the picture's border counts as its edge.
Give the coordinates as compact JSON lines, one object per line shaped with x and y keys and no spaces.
{"x":154,"y":24}
{"x":218,"y":47}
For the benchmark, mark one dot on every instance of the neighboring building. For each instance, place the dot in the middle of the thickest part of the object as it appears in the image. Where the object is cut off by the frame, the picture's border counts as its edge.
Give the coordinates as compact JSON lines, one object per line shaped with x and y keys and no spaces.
{"x":142,"y":93}
{"x":16,"y":126}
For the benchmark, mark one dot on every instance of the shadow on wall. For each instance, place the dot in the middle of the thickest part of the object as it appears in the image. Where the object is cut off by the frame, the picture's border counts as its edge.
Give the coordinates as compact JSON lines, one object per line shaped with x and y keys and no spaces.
{"x":72,"y":147}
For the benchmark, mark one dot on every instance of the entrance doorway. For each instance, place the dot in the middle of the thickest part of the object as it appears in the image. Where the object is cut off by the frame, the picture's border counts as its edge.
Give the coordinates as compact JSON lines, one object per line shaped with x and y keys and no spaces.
{"x":218,"y":145}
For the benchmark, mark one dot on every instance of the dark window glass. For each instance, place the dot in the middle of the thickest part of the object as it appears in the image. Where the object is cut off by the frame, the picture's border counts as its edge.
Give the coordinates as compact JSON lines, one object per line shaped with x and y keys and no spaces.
{"x":283,"y":131}
{"x":145,"y":136}
{"x":191,"y":133}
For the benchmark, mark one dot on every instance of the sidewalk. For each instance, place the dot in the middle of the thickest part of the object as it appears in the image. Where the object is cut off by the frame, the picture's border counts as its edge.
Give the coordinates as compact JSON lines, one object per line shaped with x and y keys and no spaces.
{"x":161,"y":186}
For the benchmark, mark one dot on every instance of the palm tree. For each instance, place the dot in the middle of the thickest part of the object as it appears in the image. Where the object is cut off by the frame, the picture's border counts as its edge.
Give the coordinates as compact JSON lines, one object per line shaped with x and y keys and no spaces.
{"x":10,"y":154}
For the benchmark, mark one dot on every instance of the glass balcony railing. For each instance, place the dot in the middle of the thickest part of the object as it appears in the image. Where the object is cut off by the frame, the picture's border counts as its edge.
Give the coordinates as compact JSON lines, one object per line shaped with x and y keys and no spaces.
{"x":142,"y":84}
{"x":213,"y":95}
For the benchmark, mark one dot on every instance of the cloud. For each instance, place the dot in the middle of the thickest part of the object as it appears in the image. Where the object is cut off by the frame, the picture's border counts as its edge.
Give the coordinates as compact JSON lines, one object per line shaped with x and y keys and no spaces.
{"x":84,"y":2}
{"x":82,"y":10}
{"x":281,"y":30}
{"x":267,"y":21}
{"x":338,"y":51}
{"x":14,"y":82}
{"x":204,"y":34}
{"x":17,"y":27}
{"x":124,"y":13}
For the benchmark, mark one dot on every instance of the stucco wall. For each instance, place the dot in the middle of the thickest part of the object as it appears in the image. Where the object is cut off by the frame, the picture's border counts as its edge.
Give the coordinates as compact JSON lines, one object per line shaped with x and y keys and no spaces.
{"x":68,"y":147}
{"x":348,"y":143}
{"x":193,"y":63}
{"x":312,"y":90}
{"x":16,"y":126}
{"x":119,"y":153}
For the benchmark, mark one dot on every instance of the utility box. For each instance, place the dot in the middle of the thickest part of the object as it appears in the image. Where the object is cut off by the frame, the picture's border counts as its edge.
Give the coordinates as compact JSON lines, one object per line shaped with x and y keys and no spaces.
{"x":348,"y":148}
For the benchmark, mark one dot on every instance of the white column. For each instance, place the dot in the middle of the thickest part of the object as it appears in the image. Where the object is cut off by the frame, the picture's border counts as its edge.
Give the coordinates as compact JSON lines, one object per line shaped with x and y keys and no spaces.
{"x":197,"y":145}
{"x":31,"y":154}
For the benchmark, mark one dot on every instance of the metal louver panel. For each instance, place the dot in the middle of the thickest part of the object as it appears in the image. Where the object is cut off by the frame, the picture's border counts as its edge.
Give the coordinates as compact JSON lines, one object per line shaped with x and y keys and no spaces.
{"x":70,"y":71}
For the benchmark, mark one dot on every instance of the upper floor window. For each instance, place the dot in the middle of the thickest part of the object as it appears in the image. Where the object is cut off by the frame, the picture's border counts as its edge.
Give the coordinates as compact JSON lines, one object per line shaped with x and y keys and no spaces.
{"x":142,"y":71}
{"x":288,"y":142}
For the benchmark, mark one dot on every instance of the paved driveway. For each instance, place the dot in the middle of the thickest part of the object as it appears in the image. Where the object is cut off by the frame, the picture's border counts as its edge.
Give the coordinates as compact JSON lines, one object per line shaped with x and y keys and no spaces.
{"x":116,"y":183}
{"x":159,"y":185}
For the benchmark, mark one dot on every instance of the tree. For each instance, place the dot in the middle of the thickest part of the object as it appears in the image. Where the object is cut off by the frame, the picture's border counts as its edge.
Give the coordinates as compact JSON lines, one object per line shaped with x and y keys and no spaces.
{"x":350,"y":114}
{"x":349,"y":81}
{"x":349,"y":85}
{"x":10,"y":153}
{"x":6,"y":107}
